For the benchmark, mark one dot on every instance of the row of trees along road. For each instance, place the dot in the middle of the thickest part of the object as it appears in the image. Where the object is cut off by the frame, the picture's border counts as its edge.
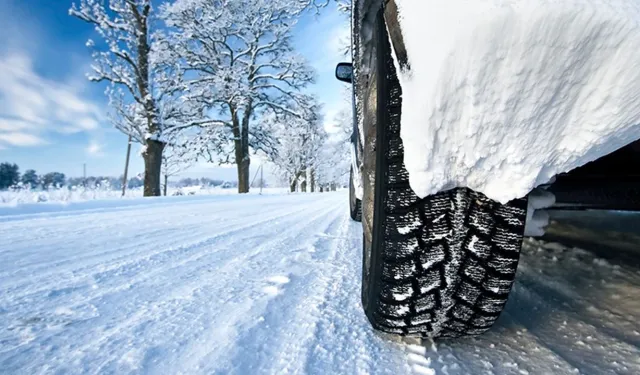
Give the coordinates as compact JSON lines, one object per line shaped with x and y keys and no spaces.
{"x":213,"y":80}
{"x":10,"y":176}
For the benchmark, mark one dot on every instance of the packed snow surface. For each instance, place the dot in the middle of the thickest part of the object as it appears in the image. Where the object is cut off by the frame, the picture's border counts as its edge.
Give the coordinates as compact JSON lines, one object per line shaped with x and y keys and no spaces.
{"x":271,"y":285}
{"x":501,"y":95}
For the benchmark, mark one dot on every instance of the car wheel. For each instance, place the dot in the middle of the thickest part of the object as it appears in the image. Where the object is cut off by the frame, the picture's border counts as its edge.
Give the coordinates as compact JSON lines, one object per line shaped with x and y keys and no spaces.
{"x":440,"y":266}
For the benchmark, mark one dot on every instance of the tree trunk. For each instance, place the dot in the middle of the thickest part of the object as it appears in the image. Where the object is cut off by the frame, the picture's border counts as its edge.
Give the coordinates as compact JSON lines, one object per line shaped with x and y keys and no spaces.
{"x":152,"y":168}
{"x":237,"y":147}
{"x":292,"y":185}
{"x":243,"y":175}
{"x":240,"y":129}
{"x":153,"y":153}
{"x":126,"y":169}
{"x":246,"y":158}
{"x":312,"y":180}
{"x":321,"y":189}
{"x":303,"y":184}
{"x":166,"y":182}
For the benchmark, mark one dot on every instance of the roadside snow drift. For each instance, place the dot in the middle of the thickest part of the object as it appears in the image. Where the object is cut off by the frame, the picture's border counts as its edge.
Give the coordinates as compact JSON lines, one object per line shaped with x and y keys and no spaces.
{"x":501,"y":95}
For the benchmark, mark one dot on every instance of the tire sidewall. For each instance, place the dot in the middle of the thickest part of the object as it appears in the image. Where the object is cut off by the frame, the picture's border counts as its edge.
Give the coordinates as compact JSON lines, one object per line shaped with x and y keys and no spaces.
{"x":373,"y":170}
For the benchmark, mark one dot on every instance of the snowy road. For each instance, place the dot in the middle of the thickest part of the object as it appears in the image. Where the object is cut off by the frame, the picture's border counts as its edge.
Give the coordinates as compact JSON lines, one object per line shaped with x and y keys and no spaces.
{"x":271,"y":284}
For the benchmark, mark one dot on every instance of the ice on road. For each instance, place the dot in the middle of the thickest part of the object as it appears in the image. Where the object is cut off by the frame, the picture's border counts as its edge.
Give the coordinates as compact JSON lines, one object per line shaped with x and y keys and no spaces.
{"x":271,"y":285}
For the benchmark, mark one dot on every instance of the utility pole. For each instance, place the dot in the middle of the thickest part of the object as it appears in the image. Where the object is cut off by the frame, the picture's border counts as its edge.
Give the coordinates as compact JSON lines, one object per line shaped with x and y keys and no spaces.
{"x":261,"y":178}
{"x":126,"y":168}
{"x":255,"y":176}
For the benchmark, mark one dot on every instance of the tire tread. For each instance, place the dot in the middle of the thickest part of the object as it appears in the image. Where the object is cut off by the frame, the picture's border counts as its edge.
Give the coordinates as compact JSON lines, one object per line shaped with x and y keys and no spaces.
{"x":447,"y":262}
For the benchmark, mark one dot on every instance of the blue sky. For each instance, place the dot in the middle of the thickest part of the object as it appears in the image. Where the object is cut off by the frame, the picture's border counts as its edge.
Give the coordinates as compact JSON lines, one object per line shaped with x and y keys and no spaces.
{"x":53,"y":119}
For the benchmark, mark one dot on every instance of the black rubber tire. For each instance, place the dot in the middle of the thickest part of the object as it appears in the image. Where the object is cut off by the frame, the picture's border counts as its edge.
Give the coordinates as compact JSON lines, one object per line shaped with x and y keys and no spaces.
{"x":441,"y":266}
{"x":355,"y":204}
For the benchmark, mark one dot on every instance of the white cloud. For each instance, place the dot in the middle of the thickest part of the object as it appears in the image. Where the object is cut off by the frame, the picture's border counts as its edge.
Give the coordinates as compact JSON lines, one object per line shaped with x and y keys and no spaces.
{"x":338,"y":42}
{"x":32,"y":106}
{"x":20,"y":139}
{"x":9,"y":124}
{"x":322,"y":39}
{"x":94,"y":148}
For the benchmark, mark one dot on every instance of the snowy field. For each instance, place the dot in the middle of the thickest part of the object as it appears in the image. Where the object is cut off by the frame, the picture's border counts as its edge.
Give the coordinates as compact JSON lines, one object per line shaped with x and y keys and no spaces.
{"x":271,"y":285}
{"x":64,"y":195}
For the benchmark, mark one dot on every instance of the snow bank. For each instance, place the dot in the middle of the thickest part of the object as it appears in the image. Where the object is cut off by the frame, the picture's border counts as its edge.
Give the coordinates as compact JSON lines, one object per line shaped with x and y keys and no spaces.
{"x":502,"y":95}
{"x":10,"y":199}
{"x":63,"y":195}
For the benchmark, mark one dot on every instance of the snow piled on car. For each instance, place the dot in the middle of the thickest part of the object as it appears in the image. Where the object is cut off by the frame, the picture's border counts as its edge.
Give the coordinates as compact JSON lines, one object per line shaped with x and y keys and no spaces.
{"x":501,"y":95}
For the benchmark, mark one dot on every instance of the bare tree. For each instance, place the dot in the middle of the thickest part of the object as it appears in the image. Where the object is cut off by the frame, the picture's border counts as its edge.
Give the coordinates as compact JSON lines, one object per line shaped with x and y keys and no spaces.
{"x":240,"y":65}
{"x":334,"y":159}
{"x":143,"y":92}
{"x":301,"y":140}
{"x":174,"y":161}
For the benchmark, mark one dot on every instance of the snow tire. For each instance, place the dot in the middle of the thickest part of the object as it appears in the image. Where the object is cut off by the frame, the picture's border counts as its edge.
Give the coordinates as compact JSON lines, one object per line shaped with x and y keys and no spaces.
{"x":441,"y":266}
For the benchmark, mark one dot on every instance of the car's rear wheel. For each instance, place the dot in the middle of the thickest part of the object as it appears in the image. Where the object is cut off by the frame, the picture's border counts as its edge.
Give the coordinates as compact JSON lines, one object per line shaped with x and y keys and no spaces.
{"x":355,"y":204}
{"x":438,"y":266}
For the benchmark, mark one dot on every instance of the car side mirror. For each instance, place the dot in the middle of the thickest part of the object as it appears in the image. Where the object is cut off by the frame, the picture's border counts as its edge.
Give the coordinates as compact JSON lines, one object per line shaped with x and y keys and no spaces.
{"x":344,"y":72}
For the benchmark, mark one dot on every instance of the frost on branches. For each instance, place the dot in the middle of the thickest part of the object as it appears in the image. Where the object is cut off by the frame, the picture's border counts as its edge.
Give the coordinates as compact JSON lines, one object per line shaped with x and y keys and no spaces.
{"x":301,"y":140}
{"x":142,"y":93}
{"x":174,"y":161}
{"x":308,"y":156}
{"x":333,"y":171}
{"x":240,"y":67}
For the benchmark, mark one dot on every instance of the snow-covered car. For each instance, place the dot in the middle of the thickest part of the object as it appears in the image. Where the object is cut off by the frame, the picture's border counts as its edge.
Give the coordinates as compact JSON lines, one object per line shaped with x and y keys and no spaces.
{"x":462,"y":110}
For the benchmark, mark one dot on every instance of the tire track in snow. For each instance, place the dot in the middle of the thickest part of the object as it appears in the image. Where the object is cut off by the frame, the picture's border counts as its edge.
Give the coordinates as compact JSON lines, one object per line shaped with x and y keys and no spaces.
{"x":79,"y":210}
{"x":177,"y":244}
{"x":507,"y":349}
{"x":316,"y":326}
{"x":281,"y":318}
{"x":169,"y":304}
{"x":242,"y":333}
{"x":242,"y":301}
{"x":151,"y":264}
{"x":292,"y":222}
{"x":149,"y":228}
{"x":343,"y":340}
{"x":625,"y":329}
{"x":569,"y":335}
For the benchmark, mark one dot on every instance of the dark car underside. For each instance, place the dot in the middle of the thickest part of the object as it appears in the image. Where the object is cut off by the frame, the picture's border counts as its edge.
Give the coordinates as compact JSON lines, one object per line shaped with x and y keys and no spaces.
{"x":610,"y":183}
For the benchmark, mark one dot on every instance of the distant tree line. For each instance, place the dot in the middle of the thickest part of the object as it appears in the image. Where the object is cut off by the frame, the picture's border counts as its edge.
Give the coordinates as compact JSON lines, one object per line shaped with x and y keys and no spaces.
{"x":10,"y":177}
{"x":205,"y":182}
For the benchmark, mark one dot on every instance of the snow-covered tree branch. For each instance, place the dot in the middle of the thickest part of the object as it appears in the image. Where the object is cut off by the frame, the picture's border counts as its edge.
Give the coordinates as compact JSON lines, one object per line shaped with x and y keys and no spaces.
{"x":335,"y":156}
{"x":300,"y":143}
{"x":240,"y":67}
{"x":175,"y":160}
{"x":144,"y":94}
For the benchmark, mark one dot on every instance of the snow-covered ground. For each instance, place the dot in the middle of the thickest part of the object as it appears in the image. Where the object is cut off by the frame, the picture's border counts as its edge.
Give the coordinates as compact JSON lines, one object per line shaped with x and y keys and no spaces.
{"x":80,"y":194}
{"x":271,"y":285}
